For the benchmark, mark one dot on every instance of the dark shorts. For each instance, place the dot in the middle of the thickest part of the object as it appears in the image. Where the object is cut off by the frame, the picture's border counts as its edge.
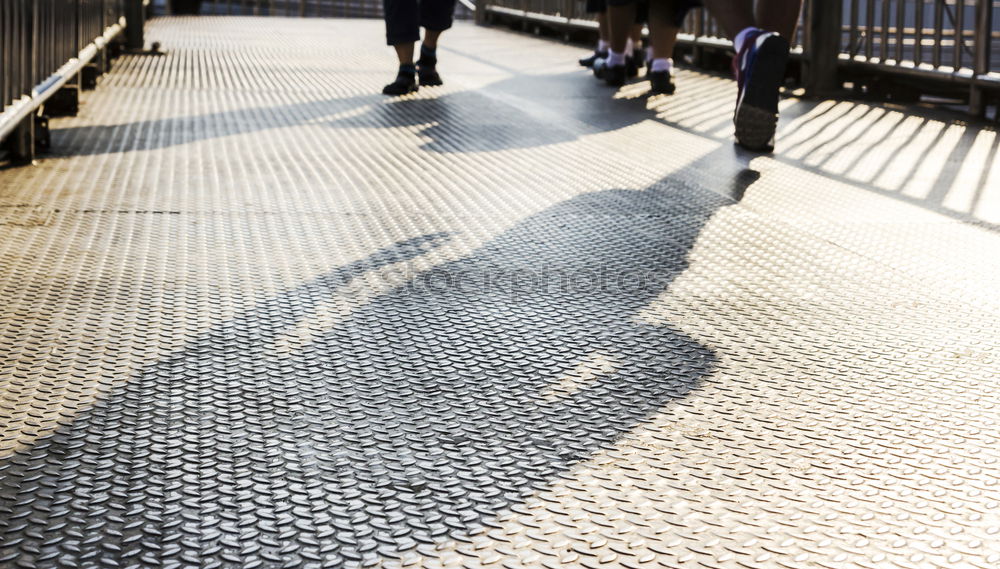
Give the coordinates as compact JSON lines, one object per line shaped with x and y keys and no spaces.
{"x":681,"y":8}
{"x":641,"y":8}
{"x":404,"y":18}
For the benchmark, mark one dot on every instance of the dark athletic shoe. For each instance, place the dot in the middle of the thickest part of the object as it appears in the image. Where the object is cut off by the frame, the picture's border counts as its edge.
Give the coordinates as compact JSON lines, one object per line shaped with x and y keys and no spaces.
{"x":405,"y":83}
{"x":760,"y":70}
{"x":661,"y":83}
{"x":600,"y":64}
{"x":615,"y":75}
{"x":589,"y":61}
{"x":639,"y":57}
{"x":429,"y":76}
{"x":631,"y":66}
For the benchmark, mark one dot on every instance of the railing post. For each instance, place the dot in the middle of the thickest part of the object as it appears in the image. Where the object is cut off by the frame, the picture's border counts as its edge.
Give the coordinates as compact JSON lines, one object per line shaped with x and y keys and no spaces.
{"x":822,"y":49}
{"x":480,"y":13}
{"x":135,"y":20}
{"x":981,"y":61}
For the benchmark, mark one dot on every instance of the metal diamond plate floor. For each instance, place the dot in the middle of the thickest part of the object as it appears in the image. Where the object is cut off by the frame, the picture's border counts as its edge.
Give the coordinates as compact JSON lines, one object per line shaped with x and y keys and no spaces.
{"x":253,"y":314}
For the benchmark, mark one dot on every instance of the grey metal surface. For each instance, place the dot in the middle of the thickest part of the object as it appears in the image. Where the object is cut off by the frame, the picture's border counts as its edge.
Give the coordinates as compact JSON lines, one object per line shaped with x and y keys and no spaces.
{"x":253,"y":314}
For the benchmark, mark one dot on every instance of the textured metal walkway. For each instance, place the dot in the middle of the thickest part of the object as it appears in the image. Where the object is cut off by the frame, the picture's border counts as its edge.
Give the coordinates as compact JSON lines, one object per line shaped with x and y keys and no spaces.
{"x":253,"y":314}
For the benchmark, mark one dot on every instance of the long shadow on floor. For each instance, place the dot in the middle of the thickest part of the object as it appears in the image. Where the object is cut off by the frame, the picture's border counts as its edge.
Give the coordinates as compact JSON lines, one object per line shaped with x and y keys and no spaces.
{"x":462,"y":121}
{"x":420,"y":415}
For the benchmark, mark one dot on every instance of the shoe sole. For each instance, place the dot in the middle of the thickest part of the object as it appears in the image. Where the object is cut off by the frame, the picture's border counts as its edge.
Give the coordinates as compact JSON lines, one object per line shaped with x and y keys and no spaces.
{"x":414,"y":90}
{"x":756,"y":115}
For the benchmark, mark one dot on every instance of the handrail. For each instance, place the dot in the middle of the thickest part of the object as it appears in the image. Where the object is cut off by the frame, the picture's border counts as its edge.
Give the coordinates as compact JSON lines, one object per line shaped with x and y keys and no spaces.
{"x":50,"y":48}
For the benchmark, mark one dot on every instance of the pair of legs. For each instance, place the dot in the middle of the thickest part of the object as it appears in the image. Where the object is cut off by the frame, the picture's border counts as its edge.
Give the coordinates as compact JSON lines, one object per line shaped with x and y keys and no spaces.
{"x":662,"y":27}
{"x":600,"y":8}
{"x":403,"y":20}
{"x":404,"y":51}
{"x":664,"y":19}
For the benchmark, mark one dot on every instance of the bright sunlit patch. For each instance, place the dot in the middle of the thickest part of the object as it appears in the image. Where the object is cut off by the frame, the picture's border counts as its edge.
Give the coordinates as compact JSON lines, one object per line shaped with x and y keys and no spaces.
{"x":594,"y":366}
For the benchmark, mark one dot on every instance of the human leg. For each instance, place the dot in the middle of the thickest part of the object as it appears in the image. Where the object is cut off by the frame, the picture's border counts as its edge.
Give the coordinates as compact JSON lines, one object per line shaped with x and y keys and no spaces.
{"x":662,"y":38}
{"x":600,"y":8}
{"x":436,"y":16}
{"x":402,"y":30}
{"x":621,"y":17}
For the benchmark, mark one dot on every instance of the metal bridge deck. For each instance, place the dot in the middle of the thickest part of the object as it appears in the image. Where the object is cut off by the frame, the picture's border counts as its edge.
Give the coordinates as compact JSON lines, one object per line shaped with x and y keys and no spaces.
{"x":253,"y":314}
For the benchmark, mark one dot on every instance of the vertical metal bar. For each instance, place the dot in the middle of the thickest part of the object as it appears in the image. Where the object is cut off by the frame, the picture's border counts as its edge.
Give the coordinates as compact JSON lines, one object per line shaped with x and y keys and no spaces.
{"x":134,"y":21}
{"x":959,"y":33}
{"x":900,"y":28}
{"x":981,"y":64}
{"x":918,"y":37}
{"x":884,"y":36}
{"x":822,"y":48}
{"x":869,"y":29}
{"x":938,"y":33}
{"x":852,"y":33}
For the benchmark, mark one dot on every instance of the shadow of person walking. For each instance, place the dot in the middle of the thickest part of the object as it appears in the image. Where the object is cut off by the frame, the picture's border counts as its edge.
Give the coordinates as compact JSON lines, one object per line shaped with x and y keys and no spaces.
{"x":418,"y":415}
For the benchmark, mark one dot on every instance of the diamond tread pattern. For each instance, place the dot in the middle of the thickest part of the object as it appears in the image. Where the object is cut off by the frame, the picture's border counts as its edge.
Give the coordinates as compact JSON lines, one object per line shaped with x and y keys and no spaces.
{"x":255,"y":314}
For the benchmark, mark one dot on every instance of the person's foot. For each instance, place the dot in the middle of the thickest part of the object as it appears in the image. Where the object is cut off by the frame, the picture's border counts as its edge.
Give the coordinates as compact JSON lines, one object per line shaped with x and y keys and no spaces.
{"x":406,"y":82}
{"x":661,"y":83}
{"x":615,"y":75}
{"x":428,"y":75}
{"x":631,"y":67}
{"x":427,"y":67}
{"x":600,"y":64}
{"x":589,"y":61}
{"x":639,"y":57}
{"x":759,"y":67}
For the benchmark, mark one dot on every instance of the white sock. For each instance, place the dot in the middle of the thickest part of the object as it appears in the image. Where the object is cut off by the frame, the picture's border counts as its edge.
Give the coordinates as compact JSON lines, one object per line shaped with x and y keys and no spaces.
{"x":662,"y":64}
{"x":628,"y":45}
{"x":602,"y":45}
{"x":649,"y":54}
{"x":615,"y":59}
{"x":741,"y":38}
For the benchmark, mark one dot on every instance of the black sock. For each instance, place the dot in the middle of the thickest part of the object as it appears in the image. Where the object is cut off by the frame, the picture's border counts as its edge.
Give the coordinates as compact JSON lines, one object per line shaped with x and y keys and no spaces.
{"x":428,"y":56}
{"x":408,"y":69}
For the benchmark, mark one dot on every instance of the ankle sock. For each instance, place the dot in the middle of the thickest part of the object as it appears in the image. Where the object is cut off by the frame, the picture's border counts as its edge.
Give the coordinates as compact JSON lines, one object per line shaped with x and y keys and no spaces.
{"x":615,"y":59}
{"x":407,"y":69}
{"x":602,"y":45}
{"x":662,"y":64}
{"x":741,"y":37}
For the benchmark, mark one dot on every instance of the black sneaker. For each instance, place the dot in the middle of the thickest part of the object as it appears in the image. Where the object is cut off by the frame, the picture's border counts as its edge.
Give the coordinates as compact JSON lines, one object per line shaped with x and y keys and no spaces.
{"x":405,"y":83}
{"x":428,"y":75}
{"x":589,"y":61}
{"x":631,"y":67}
{"x":759,"y":69}
{"x":615,"y":75}
{"x":600,"y":64}
{"x":639,"y":57}
{"x":661,"y":83}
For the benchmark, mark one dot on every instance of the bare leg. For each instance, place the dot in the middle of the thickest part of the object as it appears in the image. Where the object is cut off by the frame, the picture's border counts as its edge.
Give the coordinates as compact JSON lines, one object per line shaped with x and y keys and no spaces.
{"x":732,"y":15}
{"x":779,"y":16}
{"x":620,"y":20}
{"x":404,"y":51}
{"x":602,"y":26}
{"x":431,"y":38}
{"x":636,"y":34}
{"x":662,"y":32}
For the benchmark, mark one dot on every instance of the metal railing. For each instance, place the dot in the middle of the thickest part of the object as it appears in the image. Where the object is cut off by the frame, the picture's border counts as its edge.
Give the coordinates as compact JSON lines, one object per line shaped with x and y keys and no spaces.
{"x":946,"y":45}
{"x":48,"y":47}
{"x":290,"y":8}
